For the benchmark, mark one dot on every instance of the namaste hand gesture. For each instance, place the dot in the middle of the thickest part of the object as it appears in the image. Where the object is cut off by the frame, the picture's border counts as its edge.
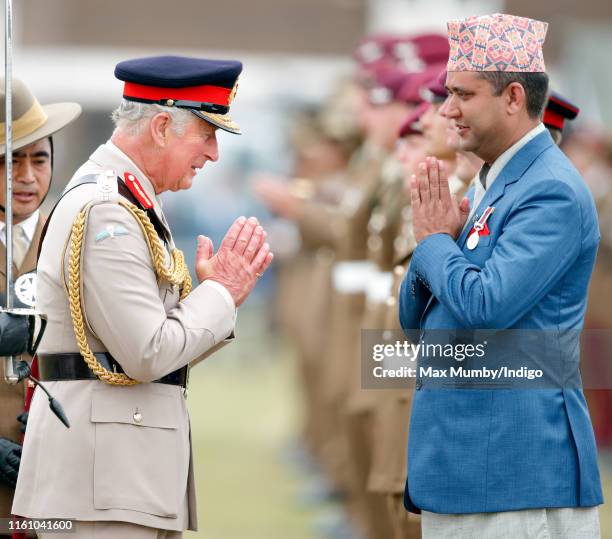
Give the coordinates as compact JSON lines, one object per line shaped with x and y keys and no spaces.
{"x":241,"y":259}
{"x":434,"y":209}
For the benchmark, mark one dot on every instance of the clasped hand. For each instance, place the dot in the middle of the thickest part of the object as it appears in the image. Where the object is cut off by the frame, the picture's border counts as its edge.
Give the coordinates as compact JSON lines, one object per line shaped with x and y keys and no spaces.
{"x":434,"y":209}
{"x":241,"y":259}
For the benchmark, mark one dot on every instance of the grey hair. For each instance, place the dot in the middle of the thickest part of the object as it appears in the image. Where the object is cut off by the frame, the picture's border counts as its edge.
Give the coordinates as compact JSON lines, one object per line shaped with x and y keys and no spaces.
{"x":131,"y":117}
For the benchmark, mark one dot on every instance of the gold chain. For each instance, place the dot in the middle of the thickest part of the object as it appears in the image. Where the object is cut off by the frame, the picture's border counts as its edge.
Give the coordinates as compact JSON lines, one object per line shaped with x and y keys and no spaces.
{"x":176,"y":274}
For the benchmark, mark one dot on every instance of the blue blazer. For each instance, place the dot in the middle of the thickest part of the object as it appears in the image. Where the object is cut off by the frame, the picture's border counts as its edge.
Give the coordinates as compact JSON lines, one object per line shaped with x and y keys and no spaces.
{"x":479,"y":450}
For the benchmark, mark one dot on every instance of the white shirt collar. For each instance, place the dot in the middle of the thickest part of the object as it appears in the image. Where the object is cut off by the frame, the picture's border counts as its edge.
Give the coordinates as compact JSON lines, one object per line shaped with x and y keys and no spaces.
{"x":28,"y":225}
{"x":499,"y":164}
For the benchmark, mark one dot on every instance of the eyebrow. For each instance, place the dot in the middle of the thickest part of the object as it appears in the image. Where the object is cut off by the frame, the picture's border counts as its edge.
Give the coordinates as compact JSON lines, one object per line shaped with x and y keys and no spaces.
{"x":41,"y":153}
{"x":455,"y":89}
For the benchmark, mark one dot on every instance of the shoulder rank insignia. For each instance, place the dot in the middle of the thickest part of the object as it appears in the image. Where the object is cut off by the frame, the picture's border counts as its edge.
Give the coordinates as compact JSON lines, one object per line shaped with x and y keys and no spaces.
{"x":106,"y":190}
{"x":136,"y":189}
{"x":111,"y":231}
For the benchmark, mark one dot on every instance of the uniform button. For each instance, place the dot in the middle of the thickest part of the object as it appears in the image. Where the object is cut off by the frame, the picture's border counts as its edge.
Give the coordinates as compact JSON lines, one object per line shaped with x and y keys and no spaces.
{"x":398,"y":271}
{"x":419,"y":384}
{"x":137,"y":417}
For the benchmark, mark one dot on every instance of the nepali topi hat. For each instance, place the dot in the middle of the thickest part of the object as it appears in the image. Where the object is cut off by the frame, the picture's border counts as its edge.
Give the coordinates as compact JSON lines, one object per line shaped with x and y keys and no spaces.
{"x":497,"y":42}
{"x":31,"y":120}
{"x":204,"y":87}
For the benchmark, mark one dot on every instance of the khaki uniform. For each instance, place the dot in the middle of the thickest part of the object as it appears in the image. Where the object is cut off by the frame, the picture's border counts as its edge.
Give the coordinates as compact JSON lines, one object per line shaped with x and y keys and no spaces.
{"x":315,"y":290}
{"x":12,"y":398}
{"x":596,"y":366}
{"x":349,"y":225}
{"x":127,"y":456}
{"x":361,"y":403}
{"x":393,"y":407}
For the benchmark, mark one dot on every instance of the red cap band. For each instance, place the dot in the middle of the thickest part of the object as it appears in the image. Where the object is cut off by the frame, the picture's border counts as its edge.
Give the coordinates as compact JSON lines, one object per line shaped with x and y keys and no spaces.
{"x":205,"y":93}
{"x":553,"y":119}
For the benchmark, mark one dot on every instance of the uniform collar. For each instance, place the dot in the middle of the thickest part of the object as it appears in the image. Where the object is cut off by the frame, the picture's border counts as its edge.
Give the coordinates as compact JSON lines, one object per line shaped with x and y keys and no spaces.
{"x":109,"y":155}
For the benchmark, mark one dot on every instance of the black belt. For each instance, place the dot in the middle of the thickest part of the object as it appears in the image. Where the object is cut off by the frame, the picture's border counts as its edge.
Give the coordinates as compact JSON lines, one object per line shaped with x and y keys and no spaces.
{"x":58,"y":367}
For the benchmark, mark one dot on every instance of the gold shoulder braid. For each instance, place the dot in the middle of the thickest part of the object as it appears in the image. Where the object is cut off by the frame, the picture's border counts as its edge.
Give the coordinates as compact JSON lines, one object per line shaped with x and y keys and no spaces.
{"x":177,"y":274}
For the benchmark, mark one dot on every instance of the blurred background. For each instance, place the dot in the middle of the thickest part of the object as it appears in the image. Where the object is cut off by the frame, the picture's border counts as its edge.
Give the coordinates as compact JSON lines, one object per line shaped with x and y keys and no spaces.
{"x":257,"y":475}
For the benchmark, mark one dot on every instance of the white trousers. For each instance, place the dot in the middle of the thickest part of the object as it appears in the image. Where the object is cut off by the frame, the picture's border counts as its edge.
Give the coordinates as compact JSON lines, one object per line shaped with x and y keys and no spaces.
{"x":565,"y":523}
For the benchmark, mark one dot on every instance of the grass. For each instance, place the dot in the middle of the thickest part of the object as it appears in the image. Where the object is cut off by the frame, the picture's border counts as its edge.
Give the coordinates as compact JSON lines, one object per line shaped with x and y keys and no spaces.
{"x":244,"y":405}
{"x":244,"y":412}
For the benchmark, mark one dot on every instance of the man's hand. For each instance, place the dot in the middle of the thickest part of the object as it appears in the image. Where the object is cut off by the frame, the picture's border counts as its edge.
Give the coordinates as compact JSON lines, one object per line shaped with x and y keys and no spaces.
{"x":277,"y":196}
{"x":241,"y":259}
{"x":434,"y":209}
{"x":10,"y":458}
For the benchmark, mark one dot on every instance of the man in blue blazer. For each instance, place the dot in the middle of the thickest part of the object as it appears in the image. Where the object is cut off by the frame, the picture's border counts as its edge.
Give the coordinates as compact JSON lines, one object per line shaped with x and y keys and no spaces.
{"x":516,"y":254}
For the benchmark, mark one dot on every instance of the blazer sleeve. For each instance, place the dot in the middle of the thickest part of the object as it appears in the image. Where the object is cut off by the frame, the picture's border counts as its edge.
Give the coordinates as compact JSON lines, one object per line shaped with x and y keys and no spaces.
{"x":539,"y":239}
{"x":123,"y":306}
{"x":413,"y":299}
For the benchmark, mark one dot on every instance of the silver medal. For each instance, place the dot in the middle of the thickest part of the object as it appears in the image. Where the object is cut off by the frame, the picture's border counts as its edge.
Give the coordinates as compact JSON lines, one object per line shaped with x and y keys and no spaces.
{"x":473,"y":240}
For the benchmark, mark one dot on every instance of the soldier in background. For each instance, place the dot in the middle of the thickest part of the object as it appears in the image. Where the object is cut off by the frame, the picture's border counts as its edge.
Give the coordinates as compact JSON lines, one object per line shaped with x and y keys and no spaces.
{"x":425,"y":132}
{"x":33,"y":127}
{"x":595,"y":369}
{"x":323,"y":142}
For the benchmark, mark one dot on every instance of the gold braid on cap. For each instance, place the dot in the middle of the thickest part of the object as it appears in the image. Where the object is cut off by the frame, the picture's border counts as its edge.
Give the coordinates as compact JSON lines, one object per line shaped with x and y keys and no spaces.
{"x":176,"y":274}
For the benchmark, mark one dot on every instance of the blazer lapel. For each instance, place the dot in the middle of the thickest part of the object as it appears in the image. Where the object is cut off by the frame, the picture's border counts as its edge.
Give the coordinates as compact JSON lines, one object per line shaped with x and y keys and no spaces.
{"x":511,"y":173}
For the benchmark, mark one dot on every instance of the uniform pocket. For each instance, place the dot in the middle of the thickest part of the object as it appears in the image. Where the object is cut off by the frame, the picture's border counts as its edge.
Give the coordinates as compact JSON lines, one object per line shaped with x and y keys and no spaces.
{"x":138,"y":451}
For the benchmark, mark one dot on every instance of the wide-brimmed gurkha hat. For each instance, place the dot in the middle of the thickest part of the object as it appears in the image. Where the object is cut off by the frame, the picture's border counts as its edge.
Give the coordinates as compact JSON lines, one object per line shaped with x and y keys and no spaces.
{"x":31,"y":120}
{"x":204,"y":87}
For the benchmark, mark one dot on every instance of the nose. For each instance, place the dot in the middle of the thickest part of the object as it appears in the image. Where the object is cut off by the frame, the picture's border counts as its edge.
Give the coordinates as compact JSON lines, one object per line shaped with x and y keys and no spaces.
{"x":24,"y":172}
{"x":212,"y":148}
{"x":449,"y":109}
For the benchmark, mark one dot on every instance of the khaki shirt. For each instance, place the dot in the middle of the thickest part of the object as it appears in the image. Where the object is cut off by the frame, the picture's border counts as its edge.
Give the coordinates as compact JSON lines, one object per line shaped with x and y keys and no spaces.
{"x":127,"y":456}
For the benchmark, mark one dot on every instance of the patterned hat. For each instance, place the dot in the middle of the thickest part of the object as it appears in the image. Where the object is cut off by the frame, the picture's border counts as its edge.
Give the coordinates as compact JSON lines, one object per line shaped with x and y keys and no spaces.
{"x":204,"y":87}
{"x":496,"y":42}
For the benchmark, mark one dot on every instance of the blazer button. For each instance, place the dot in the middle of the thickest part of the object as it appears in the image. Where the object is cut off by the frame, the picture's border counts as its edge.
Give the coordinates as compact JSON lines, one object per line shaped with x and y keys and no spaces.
{"x":137,"y":416}
{"x":419,"y":384}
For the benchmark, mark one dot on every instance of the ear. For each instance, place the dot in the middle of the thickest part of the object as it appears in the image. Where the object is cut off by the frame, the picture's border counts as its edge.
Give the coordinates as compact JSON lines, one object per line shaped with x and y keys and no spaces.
{"x":159,"y":127}
{"x":515,"y":98}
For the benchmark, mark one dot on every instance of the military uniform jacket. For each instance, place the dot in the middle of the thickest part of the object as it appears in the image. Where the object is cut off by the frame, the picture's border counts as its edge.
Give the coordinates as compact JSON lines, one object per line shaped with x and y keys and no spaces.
{"x":127,"y":456}
{"x":12,"y":398}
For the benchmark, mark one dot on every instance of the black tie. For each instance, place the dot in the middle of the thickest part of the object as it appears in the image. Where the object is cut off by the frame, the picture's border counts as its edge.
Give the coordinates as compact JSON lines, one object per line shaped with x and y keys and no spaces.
{"x":483,"y":174}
